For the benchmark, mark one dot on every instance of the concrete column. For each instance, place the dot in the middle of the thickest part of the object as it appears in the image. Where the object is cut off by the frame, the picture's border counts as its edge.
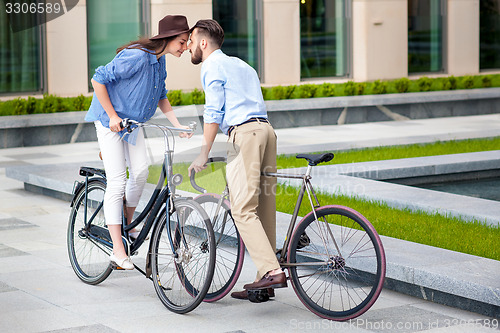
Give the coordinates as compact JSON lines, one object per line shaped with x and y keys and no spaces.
{"x":380,"y":39}
{"x":281,"y":44}
{"x":67,"y":53}
{"x":463,"y":37}
{"x":181,"y":73}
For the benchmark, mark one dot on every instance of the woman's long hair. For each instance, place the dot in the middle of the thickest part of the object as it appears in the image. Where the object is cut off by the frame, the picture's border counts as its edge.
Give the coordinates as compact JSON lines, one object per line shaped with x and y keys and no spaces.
{"x":155,"y":46}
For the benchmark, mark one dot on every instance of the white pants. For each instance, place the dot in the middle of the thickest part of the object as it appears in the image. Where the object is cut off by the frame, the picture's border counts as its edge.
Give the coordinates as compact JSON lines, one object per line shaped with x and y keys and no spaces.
{"x":117,"y":155}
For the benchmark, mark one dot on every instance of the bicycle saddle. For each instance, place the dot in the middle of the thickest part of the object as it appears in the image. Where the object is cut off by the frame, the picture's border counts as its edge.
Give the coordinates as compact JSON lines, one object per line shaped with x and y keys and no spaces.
{"x":315,"y":159}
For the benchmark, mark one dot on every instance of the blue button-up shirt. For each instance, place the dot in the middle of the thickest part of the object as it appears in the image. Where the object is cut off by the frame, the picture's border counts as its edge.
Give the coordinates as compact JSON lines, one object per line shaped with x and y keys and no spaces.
{"x":232,"y":91}
{"x":135,"y":81}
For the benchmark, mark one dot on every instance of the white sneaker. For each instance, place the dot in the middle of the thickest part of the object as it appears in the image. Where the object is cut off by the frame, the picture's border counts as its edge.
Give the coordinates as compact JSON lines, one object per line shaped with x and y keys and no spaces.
{"x":124,"y":263}
{"x":133,"y":235}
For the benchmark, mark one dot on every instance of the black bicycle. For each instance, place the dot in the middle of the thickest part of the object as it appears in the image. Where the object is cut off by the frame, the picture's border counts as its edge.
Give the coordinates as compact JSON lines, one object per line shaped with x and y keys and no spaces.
{"x":181,"y":256}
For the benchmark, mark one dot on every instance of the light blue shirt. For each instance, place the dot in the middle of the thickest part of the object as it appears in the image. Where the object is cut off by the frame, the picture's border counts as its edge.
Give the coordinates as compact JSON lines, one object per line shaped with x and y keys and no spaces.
{"x":135,"y":81}
{"x":232,"y":91}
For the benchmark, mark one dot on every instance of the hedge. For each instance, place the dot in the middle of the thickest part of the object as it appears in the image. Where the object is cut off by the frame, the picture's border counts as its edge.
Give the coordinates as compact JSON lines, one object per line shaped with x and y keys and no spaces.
{"x":51,"y":103}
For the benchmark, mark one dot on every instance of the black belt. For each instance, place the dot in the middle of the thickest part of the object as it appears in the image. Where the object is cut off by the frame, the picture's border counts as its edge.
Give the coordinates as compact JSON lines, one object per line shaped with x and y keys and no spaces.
{"x":251,"y":120}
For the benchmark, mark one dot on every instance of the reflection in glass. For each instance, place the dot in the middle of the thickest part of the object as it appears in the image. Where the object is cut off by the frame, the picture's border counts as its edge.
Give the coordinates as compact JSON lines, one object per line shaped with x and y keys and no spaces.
{"x":425,"y":36}
{"x":20,"y":56}
{"x":110,"y":24}
{"x":238,"y":20}
{"x":489,"y":34}
{"x":323,"y":35}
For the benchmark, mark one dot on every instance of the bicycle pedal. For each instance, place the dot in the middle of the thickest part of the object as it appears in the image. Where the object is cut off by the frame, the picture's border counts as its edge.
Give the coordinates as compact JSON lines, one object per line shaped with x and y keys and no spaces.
{"x":258,"y":295}
{"x":115,"y":267}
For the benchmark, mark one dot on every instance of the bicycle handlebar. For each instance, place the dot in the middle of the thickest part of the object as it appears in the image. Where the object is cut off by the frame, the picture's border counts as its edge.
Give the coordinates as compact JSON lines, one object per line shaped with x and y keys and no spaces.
{"x":127,"y":124}
{"x":193,"y":174}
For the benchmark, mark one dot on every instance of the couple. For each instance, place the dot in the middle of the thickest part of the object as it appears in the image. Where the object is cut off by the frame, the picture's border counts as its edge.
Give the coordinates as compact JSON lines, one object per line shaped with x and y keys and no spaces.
{"x":132,"y":86}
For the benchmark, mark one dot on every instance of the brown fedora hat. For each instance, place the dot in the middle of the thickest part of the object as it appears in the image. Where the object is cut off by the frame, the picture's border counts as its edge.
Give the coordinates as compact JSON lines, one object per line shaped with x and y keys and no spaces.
{"x":171,"y":25}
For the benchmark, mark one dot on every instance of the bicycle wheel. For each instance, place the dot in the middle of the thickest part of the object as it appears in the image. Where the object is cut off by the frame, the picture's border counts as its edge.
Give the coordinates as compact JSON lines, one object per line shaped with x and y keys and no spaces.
{"x":88,"y":254}
{"x":230,"y":247}
{"x":337,"y":268}
{"x":183,"y":256}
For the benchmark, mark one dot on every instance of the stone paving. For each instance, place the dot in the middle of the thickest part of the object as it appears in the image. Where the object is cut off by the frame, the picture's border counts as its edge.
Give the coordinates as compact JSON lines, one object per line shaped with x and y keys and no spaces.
{"x":40,"y":293}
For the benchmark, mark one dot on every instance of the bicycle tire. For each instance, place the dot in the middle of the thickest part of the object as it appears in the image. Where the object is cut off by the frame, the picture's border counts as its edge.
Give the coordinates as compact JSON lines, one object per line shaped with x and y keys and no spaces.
{"x":336,"y":286}
{"x":89,"y":256}
{"x":183,"y":273}
{"x":230,"y":247}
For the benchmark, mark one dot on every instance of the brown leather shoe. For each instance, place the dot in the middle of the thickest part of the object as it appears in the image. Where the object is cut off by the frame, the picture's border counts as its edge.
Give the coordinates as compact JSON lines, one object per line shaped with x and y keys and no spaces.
{"x":244,"y":294}
{"x":268,"y":281}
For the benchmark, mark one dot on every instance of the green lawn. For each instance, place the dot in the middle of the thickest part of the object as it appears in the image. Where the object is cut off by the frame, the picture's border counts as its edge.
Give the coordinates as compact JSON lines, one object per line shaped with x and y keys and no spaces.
{"x":436,"y":230}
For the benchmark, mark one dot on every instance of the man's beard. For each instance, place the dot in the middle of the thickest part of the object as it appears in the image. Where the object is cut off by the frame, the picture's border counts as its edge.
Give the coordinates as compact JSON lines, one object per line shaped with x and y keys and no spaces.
{"x":197,"y":56}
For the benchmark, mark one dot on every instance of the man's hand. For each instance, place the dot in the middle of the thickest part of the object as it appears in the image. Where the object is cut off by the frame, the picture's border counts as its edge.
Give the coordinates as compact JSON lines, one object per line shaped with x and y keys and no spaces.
{"x":198,"y":164}
{"x":185,"y":134}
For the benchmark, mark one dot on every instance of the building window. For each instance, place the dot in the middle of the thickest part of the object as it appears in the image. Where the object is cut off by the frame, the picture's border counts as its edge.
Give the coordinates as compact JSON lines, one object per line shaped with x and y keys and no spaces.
{"x":425,"y":36}
{"x":111,"y":24}
{"x":238,"y":19}
{"x":21,"y":55}
{"x":323,"y":38}
{"x":489,"y":34}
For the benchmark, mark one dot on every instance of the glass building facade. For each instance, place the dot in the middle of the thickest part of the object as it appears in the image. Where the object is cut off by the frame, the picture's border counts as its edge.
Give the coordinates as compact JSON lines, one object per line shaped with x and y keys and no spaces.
{"x":111,"y":24}
{"x":489,"y":21}
{"x":239,"y":21}
{"x":21,"y":57}
{"x":323,"y":38}
{"x":425,"y":36}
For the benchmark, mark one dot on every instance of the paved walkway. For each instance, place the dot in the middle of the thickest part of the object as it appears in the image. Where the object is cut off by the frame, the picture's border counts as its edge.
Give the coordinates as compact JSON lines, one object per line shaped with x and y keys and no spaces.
{"x":39,"y":291}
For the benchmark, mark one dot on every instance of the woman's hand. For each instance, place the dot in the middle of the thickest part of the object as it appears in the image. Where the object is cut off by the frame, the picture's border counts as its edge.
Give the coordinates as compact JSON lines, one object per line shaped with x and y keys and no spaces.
{"x":185,"y":134}
{"x":115,"y":124}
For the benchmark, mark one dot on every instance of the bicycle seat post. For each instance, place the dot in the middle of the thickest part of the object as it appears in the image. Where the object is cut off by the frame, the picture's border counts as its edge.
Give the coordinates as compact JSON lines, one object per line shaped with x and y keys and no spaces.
{"x":308,"y":171}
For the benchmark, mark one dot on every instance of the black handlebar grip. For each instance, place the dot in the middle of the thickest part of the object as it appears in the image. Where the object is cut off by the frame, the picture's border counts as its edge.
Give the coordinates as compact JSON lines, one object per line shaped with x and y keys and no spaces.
{"x":193,"y":183}
{"x":216,"y":159}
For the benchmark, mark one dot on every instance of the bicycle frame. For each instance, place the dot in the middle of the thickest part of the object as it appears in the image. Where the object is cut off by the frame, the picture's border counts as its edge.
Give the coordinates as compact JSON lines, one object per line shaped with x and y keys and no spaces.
{"x":305,"y":188}
{"x":160,"y":200}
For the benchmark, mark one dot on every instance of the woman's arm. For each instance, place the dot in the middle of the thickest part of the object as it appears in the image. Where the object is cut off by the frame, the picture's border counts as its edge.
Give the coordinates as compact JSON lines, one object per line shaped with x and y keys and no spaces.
{"x":167,"y":110}
{"x":102,"y":95}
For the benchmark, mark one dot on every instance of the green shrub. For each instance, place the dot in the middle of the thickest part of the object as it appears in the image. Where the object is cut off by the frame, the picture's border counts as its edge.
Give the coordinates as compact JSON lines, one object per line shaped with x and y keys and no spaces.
{"x":486,"y":81}
{"x":467,"y":82}
{"x":81,"y":103}
{"x":307,"y":90}
{"x":265,"y":93}
{"x":174,"y":97}
{"x":281,"y":92}
{"x":360,"y":88}
{"x":197,"y":96}
{"x":402,"y":85}
{"x":350,"y":88}
{"x":379,"y":87}
{"x":326,"y":90}
{"x":30,"y":105}
{"x":449,"y":83}
{"x":51,"y":104}
{"x":18,"y":106}
{"x":424,"y":83}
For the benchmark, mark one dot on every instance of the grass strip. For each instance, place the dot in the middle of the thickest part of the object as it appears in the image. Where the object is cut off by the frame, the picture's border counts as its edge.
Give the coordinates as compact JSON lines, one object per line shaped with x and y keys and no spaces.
{"x":436,"y":230}
{"x":400,"y":151}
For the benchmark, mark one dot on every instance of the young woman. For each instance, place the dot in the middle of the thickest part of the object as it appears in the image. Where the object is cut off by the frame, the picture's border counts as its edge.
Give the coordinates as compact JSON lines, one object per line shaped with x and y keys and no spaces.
{"x":132,"y":86}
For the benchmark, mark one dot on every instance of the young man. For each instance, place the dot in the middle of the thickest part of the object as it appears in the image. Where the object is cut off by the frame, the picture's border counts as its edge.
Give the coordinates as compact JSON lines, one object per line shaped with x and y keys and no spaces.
{"x":234,"y":103}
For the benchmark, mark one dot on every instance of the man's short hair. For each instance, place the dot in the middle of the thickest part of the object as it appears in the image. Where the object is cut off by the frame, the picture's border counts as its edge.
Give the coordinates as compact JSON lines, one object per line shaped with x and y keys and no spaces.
{"x":212,"y":30}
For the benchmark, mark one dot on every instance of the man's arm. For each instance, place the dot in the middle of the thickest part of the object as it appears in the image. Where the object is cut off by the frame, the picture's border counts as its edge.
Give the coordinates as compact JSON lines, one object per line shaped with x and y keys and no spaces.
{"x":209,"y":134}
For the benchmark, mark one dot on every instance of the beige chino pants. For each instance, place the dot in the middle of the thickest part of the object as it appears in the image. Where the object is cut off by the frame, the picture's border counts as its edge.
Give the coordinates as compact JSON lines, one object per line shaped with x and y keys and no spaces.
{"x":252,"y":149}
